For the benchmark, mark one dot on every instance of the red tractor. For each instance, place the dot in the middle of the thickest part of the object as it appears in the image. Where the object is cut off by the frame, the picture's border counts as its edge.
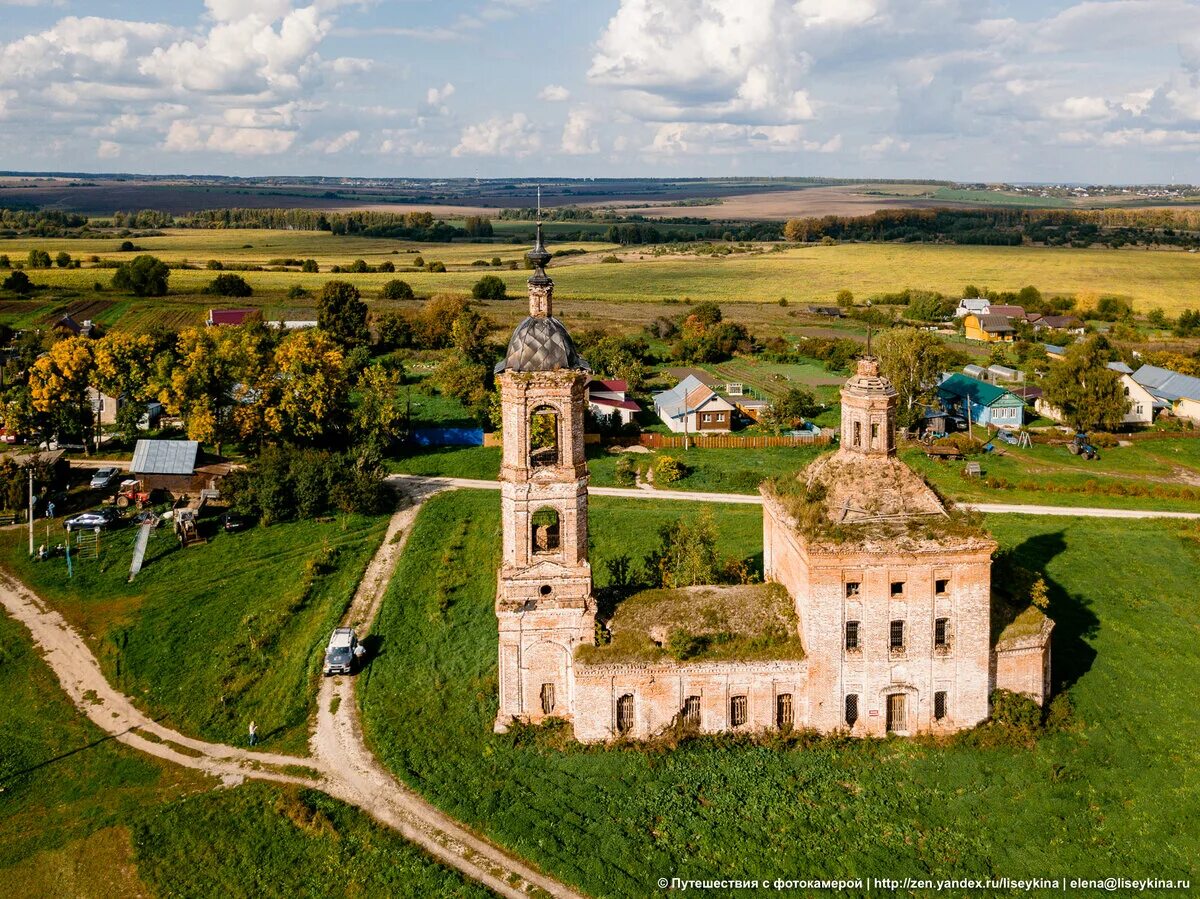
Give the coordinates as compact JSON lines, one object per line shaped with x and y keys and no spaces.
{"x":130,"y":493}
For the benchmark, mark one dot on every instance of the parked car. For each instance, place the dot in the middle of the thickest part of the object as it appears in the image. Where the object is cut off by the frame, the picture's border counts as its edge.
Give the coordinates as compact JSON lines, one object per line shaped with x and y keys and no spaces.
{"x":7,"y":436}
{"x":231,"y":522}
{"x":101,"y":518}
{"x":341,"y":651}
{"x":103,"y":478}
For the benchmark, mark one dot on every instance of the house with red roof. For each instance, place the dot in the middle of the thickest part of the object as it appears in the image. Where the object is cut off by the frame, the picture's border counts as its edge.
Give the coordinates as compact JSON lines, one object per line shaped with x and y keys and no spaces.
{"x":232,"y":317}
{"x":607,"y":399}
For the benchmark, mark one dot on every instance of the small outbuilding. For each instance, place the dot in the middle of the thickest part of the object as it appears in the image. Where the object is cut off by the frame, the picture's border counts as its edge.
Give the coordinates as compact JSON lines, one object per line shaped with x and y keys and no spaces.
{"x":168,"y":465}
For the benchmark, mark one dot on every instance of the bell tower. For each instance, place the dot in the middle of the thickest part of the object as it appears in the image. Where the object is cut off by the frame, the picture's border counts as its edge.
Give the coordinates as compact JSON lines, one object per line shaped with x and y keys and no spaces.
{"x":544,"y":603}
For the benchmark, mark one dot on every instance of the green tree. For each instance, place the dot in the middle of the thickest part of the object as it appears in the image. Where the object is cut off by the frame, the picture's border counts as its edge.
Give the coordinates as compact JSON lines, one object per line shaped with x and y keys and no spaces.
{"x":844,"y":299}
{"x":489,"y":287}
{"x":380,"y":416}
{"x":687,"y":553}
{"x":395,"y":331}
{"x":469,"y":334}
{"x":1089,"y":394}
{"x":145,"y":276}
{"x":396,"y":290}
{"x":229,"y":285}
{"x":912,"y":360}
{"x":62,"y":259}
{"x":971,"y":292}
{"x":18,"y":282}
{"x":38,"y":259}
{"x":310,"y":266}
{"x":342,"y":314}
{"x":793,"y":405}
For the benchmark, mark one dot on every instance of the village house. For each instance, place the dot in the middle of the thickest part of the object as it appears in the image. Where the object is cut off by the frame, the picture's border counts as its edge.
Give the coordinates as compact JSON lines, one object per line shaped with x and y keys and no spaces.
{"x":691,"y":406}
{"x":1068,"y":323}
{"x":608,"y":400}
{"x":1177,"y":393}
{"x":69,"y":327}
{"x":981,"y":402}
{"x":989,"y":328}
{"x":972,"y":306}
{"x":877,"y":607}
{"x":1141,"y":400}
{"x":105,"y":409}
{"x":232,"y":317}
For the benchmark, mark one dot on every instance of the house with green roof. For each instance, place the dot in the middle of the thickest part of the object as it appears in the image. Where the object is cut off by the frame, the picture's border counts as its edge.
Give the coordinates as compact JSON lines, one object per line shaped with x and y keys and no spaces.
{"x":983,"y":403}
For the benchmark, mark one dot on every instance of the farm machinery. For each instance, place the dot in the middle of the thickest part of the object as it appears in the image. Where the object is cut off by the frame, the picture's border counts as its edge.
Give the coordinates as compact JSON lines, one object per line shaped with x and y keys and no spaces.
{"x":1081,"y":446}
{"x":132,"y":493}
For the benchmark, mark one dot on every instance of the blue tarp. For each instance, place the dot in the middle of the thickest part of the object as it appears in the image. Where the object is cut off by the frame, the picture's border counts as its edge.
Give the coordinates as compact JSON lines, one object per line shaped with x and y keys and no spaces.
{"x":448,"y":436}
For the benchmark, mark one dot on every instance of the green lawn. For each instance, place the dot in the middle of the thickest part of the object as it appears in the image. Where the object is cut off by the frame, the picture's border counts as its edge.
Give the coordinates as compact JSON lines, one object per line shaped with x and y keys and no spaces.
{"x":217,"y":634}
{"x":1149,"y":474}
{"x":1115,"y":795}
{"x":82,"y":815}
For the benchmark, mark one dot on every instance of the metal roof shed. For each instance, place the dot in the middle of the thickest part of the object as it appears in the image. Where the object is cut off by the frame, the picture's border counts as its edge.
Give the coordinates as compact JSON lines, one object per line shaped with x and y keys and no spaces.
{"x":177,"y":457}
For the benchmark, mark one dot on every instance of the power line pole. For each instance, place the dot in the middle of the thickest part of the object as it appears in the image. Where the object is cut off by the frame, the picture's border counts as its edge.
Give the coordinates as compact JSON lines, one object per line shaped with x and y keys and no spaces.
{"x":31,"y":510}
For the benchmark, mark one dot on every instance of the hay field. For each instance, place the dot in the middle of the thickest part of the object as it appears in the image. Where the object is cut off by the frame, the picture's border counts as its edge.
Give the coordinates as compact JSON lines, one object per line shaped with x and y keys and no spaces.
{"x":1149,"y":278}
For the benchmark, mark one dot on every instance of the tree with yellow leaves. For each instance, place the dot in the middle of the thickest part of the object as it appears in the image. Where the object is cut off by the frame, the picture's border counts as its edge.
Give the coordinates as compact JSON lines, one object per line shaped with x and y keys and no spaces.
{"x":124,"y":369}
{"x":381,"y":413}
{"x":313,"y":388}
{"x":200,"y":385}
{"x":58,"y":383}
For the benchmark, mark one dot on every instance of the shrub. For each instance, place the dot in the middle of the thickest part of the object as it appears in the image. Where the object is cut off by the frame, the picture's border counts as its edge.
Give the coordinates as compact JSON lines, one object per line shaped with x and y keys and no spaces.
{"x":436,"y":267}
{"x":296,"y":292}
{"x":229,"y":285}
{"x":668,"y":469}
{"x":397,"y":290}
{"x":489,"y":287}
{"x":610,"y":258}
{"x":310,"y":266}
{"x":214,"y":265}
{"x":626,"y":474}
{"x":387,"y":266}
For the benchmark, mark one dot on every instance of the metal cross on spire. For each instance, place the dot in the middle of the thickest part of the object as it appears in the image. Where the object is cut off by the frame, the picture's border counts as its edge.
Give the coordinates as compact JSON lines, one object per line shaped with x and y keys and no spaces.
{"x":868,"y":339}
{"x":539,"y":211}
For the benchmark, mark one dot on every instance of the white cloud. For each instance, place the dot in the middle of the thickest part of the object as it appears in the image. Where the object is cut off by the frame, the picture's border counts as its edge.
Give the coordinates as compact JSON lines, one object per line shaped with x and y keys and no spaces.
{"x":339,"y":144}
{"x":554,"y":93}
{"x":186,"y":137}
{"x":690,"y":137}
{"x":886,"y":145}
{"x":108,"y":149}
{"x":514,"y":136}
{"x":436,"y":96}
{"x":836,"y":12}
{"x":1079,"y":108}
{"x":579,"y":136}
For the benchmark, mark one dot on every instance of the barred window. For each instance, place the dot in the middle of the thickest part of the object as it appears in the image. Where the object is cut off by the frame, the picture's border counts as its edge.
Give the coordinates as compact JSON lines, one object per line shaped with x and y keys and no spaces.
{"x":784,"y":715}
{"x":851,"y":709}
{"x":737,"y":711}
{"x":691,"y":712}
{"x":941,"y":632}
{"x":625,"y":714}
{"x":852,"y":635}
{"x":896,"y":636}
{"x":939,"y":705}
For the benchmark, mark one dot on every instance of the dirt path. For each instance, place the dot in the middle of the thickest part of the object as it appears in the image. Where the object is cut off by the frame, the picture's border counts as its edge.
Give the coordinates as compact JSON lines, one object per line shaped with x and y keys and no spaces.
{"x":341,"y":765}
{"x":651,"y":492}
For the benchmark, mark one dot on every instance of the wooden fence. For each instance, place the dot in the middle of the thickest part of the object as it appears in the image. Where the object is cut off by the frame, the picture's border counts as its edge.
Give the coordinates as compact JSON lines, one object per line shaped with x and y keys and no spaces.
{"x":731,"y":441}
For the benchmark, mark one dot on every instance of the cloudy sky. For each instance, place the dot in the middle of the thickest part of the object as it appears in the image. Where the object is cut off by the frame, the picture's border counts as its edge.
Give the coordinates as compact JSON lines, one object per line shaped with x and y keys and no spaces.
{"x":957,"y":89}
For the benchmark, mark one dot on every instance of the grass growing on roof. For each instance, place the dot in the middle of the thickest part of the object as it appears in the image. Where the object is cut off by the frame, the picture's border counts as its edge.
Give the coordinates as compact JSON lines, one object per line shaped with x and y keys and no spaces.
{"x":614,"y":821}
{"x":214,"y":635}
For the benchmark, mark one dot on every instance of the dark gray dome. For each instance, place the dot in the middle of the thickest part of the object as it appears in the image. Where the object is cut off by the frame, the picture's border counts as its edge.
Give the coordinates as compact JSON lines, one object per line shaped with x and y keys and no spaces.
{"x":541,"y":344}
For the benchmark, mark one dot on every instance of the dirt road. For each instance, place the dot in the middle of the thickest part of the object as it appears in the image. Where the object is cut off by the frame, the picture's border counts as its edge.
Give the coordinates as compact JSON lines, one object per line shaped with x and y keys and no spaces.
{"x":341,"y":765}
{"x":645,"y":492}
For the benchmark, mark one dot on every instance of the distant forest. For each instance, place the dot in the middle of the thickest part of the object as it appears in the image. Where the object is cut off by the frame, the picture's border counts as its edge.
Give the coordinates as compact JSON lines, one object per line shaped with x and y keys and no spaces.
{"x":994,"y":226}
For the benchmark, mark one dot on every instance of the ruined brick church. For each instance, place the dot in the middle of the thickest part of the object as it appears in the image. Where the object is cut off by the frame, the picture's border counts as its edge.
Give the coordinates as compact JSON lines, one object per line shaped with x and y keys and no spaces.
{"x":878,"y":595}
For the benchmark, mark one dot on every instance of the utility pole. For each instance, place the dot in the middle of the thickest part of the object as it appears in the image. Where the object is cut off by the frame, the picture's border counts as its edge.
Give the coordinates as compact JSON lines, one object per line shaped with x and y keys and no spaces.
{"x":31,"y":509}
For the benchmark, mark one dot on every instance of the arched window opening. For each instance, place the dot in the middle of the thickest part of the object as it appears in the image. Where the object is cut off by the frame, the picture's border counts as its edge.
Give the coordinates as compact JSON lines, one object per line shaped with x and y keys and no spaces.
{"x":625,"y":714}
{"x":545,"y":531}
{"x":544,"y":438}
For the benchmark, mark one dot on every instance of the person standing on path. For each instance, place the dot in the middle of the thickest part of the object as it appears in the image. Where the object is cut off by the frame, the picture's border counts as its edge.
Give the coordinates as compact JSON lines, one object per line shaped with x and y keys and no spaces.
{"x":253,"y":733}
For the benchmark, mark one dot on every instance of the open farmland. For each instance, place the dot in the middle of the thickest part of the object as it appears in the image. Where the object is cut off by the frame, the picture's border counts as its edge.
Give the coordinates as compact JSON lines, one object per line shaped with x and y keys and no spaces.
{"x":1169,"y":280}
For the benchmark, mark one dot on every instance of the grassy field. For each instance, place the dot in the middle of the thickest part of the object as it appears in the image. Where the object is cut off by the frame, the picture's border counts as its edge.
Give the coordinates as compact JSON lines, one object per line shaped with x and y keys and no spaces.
{"x":1090,"y":802}
{"x":1164,"y":279}
{"x":217,"y":634}
{"x":1148,"y":474}
{"x":81,"y":815}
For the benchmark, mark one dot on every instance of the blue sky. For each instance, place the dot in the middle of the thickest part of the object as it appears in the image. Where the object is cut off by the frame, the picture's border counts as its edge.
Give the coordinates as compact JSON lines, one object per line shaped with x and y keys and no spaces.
{"x":1083,"y":91}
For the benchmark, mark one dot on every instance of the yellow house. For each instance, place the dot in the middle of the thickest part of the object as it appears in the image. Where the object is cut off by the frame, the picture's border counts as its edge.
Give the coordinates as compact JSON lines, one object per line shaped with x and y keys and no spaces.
{"x":988,"y":327}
